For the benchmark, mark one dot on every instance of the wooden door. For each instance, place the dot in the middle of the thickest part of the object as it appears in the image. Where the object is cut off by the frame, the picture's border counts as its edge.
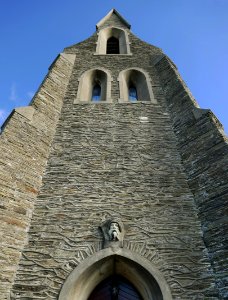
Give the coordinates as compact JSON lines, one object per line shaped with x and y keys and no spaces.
{"x":115,"y":287}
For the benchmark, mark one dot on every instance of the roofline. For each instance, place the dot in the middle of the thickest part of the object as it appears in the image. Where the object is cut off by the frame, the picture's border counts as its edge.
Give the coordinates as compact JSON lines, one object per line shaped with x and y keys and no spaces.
{"x":112,"y":11}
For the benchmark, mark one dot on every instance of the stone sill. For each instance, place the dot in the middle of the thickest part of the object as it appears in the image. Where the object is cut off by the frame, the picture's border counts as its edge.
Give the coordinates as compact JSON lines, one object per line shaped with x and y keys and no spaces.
{"x":116,"y":102}
{"x":123,"y":54}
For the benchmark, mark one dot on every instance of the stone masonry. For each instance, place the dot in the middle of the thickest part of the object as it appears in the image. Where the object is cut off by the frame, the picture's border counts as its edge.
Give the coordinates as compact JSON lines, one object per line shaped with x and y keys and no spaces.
{"x":24,"y":147}
{"x":204,"y":151}
{"x":160,"y":168}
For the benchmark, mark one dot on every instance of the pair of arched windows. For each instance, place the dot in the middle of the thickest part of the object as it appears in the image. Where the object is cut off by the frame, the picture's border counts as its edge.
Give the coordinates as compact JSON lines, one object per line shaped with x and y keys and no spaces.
{"x":95,"y":85}
{"x":96,"y":92}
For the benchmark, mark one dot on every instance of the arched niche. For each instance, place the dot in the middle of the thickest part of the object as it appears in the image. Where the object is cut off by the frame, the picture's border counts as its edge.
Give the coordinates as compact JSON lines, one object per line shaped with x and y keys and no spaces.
{"x":90,"y":79}
{"x":147,"y":279}
{"x":118,"y":33}
{"x":139,"y":79}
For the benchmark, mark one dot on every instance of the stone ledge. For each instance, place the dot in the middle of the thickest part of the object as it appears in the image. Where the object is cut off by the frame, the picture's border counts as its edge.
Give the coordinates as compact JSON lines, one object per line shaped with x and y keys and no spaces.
{"x":25,"y":111}
{"x":199,"y":113}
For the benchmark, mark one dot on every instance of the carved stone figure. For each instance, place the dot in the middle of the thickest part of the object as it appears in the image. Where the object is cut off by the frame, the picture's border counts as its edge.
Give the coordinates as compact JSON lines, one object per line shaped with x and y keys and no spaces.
{"x":113,"y":232}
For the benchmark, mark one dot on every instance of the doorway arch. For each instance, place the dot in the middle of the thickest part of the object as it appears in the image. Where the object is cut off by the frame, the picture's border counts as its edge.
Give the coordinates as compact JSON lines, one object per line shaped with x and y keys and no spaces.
{"x":115,"y":287}
{"x":145,"y":277}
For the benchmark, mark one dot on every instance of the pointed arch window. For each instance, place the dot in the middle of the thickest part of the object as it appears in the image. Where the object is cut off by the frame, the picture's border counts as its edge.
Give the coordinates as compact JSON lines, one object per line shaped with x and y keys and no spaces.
{"x":96,"y":92}
{"x":113,"y":46}
{"x":133,"y":96}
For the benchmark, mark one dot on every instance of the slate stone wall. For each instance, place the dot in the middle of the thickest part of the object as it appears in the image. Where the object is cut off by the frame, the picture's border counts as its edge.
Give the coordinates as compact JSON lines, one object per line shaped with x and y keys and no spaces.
{"x":204,"y":151}
{"x":107,"y":161}
{"x":24,"y":149}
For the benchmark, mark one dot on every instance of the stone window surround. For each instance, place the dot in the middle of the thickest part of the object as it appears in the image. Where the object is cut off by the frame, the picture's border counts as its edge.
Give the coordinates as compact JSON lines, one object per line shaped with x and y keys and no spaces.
{"x":147,"y":279}
{"x":124,"y":97}
{"x":117,"y":32}
{"x":83,"y":82}
{"x":123,"y":90}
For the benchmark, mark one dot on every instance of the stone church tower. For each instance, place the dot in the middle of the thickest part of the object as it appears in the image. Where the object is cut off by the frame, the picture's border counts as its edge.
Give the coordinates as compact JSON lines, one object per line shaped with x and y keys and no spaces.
{"x":113,"y":180}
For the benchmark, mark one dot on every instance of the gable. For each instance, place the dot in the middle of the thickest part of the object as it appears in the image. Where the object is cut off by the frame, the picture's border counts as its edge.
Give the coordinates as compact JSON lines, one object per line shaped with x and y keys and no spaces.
{"x":113,"y":18}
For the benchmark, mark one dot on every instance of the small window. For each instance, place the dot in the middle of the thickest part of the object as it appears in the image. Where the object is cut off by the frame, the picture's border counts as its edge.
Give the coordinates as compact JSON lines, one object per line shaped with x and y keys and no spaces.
{"x":133,"y":93}
{"x":94,"y":86}
{"x":113,"y":46}
{"x":96,"y":93}
{"x":135,"y":86}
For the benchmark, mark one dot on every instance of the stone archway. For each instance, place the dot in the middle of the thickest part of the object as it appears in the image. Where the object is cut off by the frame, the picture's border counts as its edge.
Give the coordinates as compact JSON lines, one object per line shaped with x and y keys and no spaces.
{"x":115,"y":287}
{"x":146,"y":278}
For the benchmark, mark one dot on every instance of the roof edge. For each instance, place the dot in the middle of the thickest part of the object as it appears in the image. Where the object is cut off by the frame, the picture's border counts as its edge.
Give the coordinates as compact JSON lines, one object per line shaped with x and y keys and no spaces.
{"x":112,"y":11}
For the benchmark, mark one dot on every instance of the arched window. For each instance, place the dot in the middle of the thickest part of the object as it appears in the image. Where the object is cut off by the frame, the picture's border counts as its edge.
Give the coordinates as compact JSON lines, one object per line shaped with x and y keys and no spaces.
{"x":112,"y":40}
{"x":94,"y":86}
{"x":135,"y":86}
{"x":113,"y":45}
{"x":115,"y":287}
{"x":96,"y":92}
{"x":132,"y":92}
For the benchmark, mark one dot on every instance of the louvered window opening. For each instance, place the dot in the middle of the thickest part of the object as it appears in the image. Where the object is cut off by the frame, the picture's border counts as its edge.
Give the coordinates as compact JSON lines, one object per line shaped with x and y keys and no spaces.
{"x":96,"y":93}
{"x":133,"y":93}
{"x":113,"y":46}
{"x":115,"y":287}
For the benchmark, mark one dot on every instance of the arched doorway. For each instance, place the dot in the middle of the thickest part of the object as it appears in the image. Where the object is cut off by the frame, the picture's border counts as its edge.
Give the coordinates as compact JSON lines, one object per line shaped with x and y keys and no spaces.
{"x":115,"y":287}
{"x":147,"y":281}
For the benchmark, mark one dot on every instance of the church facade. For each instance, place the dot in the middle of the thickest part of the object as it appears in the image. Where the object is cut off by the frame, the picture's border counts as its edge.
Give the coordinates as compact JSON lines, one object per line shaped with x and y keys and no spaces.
{"x":113,"y":180}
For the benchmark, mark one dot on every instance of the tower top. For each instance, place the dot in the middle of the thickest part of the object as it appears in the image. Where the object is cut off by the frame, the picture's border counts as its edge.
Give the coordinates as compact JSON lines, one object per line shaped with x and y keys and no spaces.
{"x":109,"y":16}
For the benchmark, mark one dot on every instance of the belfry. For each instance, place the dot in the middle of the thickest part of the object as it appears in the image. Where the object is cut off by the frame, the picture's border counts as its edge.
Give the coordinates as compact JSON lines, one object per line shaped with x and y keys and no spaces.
{"x":113,"y":180}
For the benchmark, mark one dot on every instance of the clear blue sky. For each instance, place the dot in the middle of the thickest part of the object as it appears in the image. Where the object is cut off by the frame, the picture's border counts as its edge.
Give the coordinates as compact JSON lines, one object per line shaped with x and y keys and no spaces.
{"x":193,"y":33}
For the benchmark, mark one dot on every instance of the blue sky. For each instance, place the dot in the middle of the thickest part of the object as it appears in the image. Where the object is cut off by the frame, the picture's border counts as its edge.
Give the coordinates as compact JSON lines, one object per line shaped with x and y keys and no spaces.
{"x":193,"y":33}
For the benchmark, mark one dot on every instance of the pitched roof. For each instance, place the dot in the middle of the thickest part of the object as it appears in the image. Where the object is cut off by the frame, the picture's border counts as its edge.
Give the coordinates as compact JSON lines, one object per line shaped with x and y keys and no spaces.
{"x":113,"y":11}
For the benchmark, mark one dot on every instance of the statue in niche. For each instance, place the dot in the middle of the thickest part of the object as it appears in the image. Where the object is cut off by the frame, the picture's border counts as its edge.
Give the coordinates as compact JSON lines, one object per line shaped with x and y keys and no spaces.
{"x":113,"y":232}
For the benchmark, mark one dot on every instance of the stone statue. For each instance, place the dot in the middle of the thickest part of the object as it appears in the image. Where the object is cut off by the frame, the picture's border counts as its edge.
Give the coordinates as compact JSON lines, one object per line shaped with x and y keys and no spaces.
{"x":113,"y":232}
